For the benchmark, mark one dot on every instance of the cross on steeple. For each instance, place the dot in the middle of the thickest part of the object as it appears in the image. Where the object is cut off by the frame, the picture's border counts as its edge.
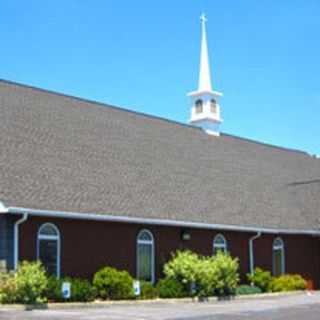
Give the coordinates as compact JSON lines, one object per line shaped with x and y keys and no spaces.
{"x":203,"y":18}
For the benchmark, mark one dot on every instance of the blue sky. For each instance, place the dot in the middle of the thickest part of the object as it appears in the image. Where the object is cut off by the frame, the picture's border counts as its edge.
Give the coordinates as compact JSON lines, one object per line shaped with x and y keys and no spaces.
{"x":144,"y":55}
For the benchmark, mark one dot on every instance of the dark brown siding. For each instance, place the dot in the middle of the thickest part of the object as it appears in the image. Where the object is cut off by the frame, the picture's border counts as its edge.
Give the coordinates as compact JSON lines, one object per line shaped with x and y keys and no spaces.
{"x":87,"y":246}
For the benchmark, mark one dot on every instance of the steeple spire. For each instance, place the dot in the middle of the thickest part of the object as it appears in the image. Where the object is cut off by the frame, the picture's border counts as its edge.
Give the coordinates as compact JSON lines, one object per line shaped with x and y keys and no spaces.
{"x":204,"y":76}
{"x":205,"y":111}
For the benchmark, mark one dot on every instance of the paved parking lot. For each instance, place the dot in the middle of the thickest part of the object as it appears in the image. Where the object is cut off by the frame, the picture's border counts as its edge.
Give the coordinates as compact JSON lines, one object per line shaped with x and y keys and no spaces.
{"x":300,"y":306}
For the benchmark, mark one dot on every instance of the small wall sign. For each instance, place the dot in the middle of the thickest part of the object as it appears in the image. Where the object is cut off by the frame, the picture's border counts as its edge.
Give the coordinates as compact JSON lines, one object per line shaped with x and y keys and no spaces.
{"x":136,"y":288}
{"x":66,"y":290}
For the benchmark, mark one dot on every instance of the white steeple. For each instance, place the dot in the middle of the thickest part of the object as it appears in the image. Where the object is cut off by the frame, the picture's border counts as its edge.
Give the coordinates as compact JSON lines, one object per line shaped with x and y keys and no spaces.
{"x":205,"y":112}
{"x":204,"y":76}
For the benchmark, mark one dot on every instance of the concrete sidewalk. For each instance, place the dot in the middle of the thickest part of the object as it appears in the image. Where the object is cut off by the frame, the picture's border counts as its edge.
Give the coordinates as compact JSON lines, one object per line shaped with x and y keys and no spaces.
{"x":294,"y":306}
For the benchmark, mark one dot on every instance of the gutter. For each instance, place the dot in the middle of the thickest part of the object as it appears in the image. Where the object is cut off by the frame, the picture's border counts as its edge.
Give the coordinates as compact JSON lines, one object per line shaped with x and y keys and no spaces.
{"x":16,"y":239}
{"x":251,"y":253}
{"x":152,"y":221}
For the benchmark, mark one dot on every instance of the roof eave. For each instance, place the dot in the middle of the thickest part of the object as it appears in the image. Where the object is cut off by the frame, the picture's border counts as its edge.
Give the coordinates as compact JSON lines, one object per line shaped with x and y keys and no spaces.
{"x":162,"y":222}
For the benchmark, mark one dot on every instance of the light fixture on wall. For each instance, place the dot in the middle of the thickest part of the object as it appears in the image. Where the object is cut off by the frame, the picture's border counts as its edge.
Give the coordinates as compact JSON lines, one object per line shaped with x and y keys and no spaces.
{"x":185,"y":235}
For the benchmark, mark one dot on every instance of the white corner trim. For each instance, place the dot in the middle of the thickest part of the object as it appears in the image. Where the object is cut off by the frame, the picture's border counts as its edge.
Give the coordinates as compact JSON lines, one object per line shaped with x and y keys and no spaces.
{"x":161,"y":222}
{"x":3,"y":208}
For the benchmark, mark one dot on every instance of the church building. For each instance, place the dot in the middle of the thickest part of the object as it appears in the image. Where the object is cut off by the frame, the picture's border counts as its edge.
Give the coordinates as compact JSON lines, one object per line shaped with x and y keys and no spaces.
{"x":84,"y":184}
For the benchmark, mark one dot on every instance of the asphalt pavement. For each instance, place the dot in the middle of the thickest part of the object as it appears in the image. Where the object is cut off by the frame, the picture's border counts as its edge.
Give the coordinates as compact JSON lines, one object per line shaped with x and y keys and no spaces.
{"x":293,"y":307}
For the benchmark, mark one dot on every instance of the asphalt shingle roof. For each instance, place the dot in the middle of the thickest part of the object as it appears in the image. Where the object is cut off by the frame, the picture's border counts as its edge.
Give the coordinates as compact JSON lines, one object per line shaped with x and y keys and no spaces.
{"x":64,"y":153}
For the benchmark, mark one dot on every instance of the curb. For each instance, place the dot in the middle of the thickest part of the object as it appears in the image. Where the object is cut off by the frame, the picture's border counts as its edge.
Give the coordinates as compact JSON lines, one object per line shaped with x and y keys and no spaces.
{"x":108,"y":304}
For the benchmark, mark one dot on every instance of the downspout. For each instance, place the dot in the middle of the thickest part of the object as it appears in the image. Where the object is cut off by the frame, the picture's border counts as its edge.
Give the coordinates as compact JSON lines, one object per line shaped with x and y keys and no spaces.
{"x":16,"y":240}
{"x":251,"y":255}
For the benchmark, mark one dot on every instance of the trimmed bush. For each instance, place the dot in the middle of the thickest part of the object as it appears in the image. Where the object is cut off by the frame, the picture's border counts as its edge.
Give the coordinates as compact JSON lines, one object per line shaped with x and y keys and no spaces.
{"x":27,"y":285}
{"x":148,"y":291}
{"x":207,"y":276}
{"x":288,"y":283}
{"x":53,"y":290}
{"x":210,"y":275}
{"x":183,"y":267}
{"x":8,"y":288}
{"x":31,"y":283}
{"x":81,"y":290}
{"x":170,"y":288}
{"x":261,"y":279}
{"x":113,"y":284}
{"x":246,"y":289}
{"x":226,"y":274}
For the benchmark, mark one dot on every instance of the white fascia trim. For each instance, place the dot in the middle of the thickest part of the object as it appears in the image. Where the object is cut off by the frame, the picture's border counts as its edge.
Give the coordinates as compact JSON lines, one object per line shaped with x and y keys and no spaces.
{"x":151,"y":221}
{"x":203,"y":92}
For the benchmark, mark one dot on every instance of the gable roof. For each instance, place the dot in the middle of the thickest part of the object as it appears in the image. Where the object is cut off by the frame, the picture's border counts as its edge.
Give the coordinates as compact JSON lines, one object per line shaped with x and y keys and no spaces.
{"x":64,"y":153}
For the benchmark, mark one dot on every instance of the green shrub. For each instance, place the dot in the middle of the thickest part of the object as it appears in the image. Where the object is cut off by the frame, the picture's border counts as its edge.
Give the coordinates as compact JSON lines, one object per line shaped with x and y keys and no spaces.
{"x":288,"y":283}
{"x":170,"y":288}
{"x":148,"y":291}
{"x":226,"y":276}
{"x":246,"y":289}
{"x":206,"y":276}
{"x":31,"y":282}
{"x":113,"y":284}
{"x":53,"y":291}
{"x":183,"y":267}
{"x":8,"y":288}
{"x":81,"y":290}
{"x":211,"y":275}
{"x":261,"y":279}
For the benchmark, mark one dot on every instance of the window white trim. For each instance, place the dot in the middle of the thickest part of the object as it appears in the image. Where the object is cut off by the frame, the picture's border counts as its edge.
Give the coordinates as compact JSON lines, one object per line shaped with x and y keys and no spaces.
{"x":147,"y":242}
{"x":219,"y":245}
{"x":50,"y":237}
{"x":278,"y":247}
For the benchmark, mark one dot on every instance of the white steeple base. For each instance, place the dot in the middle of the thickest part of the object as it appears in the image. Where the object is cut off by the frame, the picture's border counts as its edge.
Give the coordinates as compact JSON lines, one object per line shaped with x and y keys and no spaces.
{"x":209,"y":126}
{"x":205,"y":111}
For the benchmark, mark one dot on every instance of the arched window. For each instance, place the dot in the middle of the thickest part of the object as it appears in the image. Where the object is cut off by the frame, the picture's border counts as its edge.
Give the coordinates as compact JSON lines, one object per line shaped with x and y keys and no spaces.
{"x":199,"y":106}
{"x":213,"y":106}
{"x":145,"y":256}
{"x":278,"y":257}
{"x":219,"y":243}
{"x":48,"y":248}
